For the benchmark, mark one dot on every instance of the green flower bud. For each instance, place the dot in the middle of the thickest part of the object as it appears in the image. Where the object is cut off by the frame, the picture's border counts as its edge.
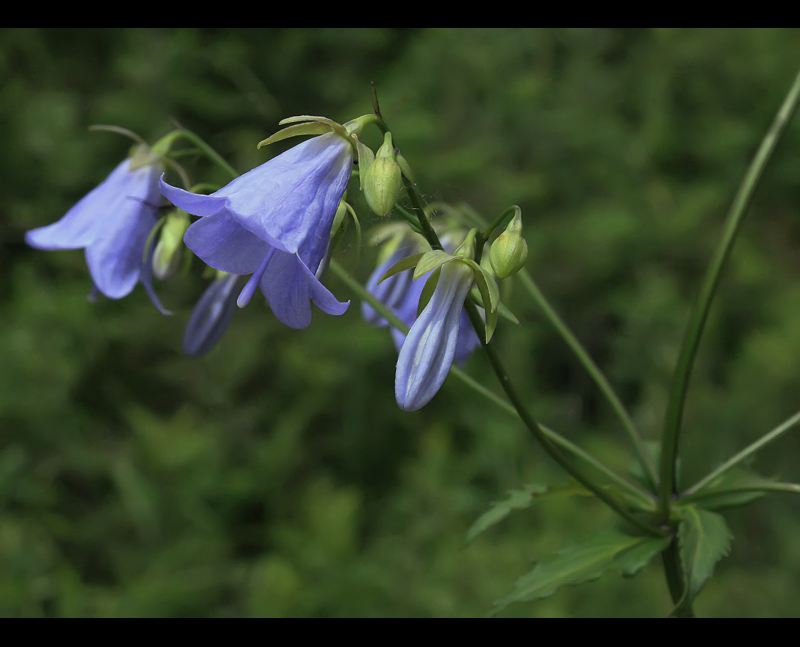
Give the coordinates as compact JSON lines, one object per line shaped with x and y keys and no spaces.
{"x":167,"y":254}
{"x":509,"y":251}
{"x":383,"y":179}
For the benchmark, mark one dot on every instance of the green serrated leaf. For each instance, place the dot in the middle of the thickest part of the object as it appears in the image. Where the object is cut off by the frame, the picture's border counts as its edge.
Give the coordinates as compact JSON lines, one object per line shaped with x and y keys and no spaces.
{"x":583,"y":563}
{"x":520,"y":500}
{"x":432,"y":260}
{"x":401,"y":266}
{"x":635,"y":559}
{"x":703,"y":540}
{"x":516,"y":500}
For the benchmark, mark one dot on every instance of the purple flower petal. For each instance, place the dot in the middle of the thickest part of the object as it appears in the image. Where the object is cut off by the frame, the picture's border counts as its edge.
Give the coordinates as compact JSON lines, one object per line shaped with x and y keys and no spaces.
{"x":211,"y":316}
{"x":290,"y":287}
{"x":222,"y":243}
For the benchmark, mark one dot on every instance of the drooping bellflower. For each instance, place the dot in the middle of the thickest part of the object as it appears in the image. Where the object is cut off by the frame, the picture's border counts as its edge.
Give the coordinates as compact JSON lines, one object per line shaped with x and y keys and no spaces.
{"x":430,"y":347}
{"x":112,"y":223}
{"x":401,"y":294}
{"x":274,"y":223}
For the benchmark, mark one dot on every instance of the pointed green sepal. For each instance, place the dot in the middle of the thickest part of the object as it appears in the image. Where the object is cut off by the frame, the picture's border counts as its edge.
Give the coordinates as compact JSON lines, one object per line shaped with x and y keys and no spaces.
{"x":143,"y":155}
{"x":151,"y":237}
{"x":428,"y":290}
{"x":401,"y":266}
{"x":316,"y":118}
{"x":314,"y":128}
{"x":502,"y":309}
{"x":432,"y":260}
{"x":355,"y":126}
{"x":490,"y":295}
{"x":405,"y":167}
{"x":365,"y":159}
{"x":338,"y":219}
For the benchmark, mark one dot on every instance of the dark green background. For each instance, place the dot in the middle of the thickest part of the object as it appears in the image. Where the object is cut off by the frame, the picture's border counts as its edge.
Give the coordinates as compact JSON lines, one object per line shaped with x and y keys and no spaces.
{"x":277,"y":476}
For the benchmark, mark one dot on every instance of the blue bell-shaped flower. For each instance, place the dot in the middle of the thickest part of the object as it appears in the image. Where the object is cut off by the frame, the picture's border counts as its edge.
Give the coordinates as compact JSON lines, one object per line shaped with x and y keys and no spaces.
{"x":112,"y":223}
{"x":430,"y":347}
{"x":274,"y":223}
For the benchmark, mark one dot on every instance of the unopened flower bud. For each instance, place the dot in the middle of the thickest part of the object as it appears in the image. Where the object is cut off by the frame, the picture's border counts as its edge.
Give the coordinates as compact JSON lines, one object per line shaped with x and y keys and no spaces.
{"x":383,"y":179}
{"x":168,"y":251}
{"x":510,"y":250}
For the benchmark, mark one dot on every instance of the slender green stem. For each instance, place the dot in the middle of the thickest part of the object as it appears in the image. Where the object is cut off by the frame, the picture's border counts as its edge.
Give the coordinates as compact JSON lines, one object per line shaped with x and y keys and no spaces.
{"x":547,"y":437}
{"x":208,"y":151}
{"x":505,"y":381}
{"x":597,"y":375}
{"x":694,"y":331}
{"x":425,"y":224}
{"x":744,"y":454}
{"x":533,"y":426}
{"x":580,"y":352}
{"x":120,"y":131}
{"x":410,"y":219}
{"x":645,"y":499}
{"x":788,"y":488}
{"x":487,"y":233}
{"x":673,"y":569}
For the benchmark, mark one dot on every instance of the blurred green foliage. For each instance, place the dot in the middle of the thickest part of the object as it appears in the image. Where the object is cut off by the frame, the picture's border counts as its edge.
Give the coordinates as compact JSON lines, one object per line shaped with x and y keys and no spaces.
{"x":276,"y":477}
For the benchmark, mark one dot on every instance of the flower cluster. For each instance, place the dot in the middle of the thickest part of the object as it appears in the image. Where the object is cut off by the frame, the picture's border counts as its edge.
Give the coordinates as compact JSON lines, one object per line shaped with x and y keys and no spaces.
{"x":272,"y":229}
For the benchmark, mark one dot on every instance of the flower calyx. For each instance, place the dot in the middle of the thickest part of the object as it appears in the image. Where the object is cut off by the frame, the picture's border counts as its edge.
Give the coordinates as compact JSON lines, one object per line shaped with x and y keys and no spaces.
{"x":315,"y":125}
{"x":432,"y":261}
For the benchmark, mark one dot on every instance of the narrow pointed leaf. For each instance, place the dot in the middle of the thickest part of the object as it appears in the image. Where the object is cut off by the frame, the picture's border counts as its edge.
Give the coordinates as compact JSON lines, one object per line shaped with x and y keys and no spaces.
{"x":703,"y":539}
{"x":583,"y":563}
